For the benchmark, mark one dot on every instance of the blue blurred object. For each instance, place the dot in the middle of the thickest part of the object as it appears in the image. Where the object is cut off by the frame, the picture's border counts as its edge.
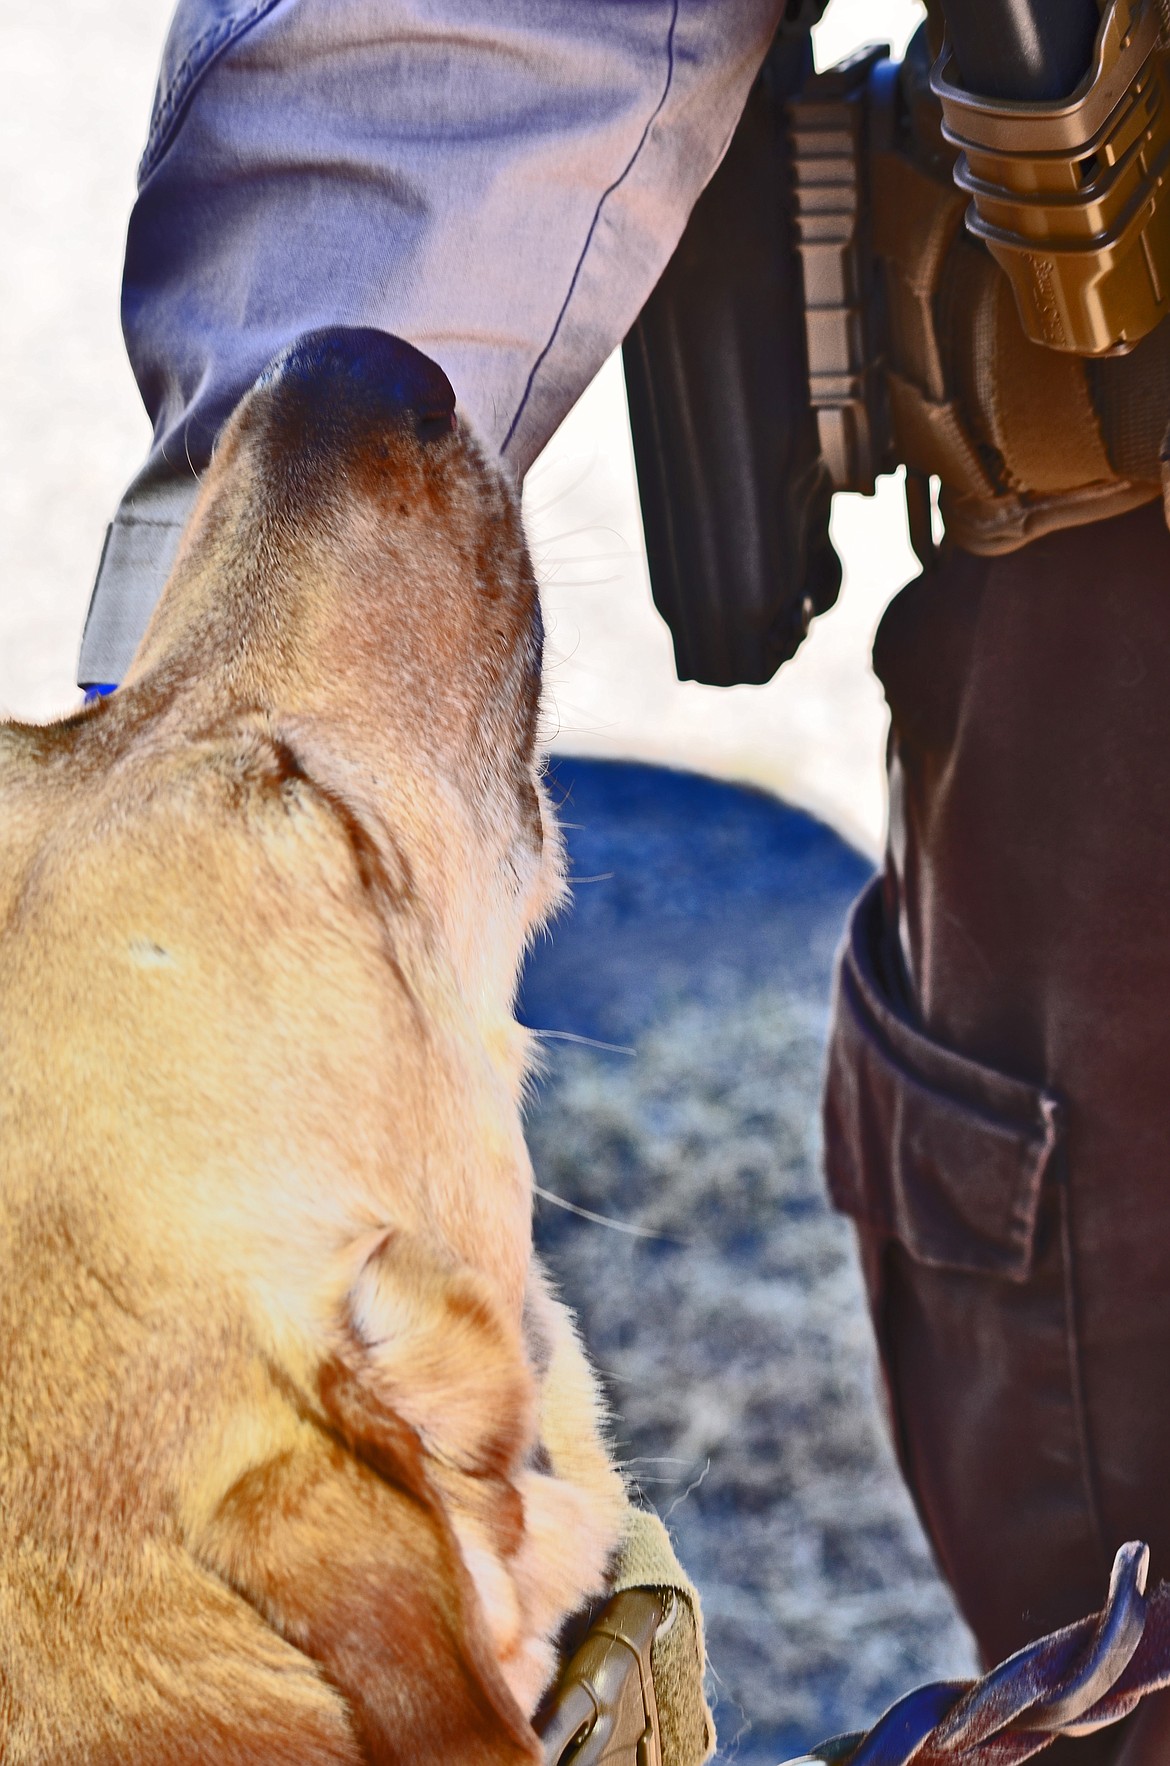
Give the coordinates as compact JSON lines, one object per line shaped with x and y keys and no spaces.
{"x":683,"y":887}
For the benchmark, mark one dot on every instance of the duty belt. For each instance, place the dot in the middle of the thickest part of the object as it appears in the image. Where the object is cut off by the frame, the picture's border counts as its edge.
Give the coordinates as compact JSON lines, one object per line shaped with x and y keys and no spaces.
{"x":987,"y":284}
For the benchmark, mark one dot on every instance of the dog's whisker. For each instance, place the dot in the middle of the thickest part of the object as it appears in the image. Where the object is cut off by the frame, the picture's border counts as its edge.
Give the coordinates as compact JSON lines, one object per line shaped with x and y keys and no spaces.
{"x":548,"y":733}
{"x":560,"y":661}
{"x":551,"y":571}
{"x":533,"y":511}
{"x":658,"y":1459}
{"x":596,"y":728}
{"x":588,"y":1042}
{"x":618,"y":1226}
{"x":689,"y":1491}
{"x":589,"y":582}
{"x":571,"y":533}
{"x":594,"y":557}
{"x":644,"y":1480}
{"x":607,"y":731}
{"x":601,"y":877}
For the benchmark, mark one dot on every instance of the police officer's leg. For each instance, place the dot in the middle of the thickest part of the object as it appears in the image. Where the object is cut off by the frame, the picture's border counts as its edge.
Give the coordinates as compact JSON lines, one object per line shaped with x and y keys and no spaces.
{"x":999,"y":1098}
{"x":500,"y":181}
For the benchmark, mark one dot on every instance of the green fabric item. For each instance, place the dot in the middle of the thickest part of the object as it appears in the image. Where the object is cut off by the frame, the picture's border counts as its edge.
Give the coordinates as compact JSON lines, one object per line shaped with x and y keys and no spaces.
{"x":677,"y":1659}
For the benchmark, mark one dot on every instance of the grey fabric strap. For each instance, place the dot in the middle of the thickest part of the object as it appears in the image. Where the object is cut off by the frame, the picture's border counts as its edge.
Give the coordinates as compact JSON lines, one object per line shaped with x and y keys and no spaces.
{"x":647,"y":1560}
{"x":140,"y":548}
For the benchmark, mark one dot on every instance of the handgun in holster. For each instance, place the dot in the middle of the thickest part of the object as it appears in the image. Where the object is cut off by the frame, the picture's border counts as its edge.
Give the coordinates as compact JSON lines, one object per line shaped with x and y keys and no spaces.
{"x":958,"y":263}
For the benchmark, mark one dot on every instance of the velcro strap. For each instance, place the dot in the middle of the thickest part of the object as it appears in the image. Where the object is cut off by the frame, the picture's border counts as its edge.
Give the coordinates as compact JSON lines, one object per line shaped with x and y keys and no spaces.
{"x":933,"y":437}
{"x":678,"y":1660}
{"x":1036,"y":410}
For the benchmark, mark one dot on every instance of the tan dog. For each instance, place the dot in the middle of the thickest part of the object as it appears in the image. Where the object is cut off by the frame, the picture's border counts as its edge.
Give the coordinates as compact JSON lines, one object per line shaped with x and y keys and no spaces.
{"x":299,"y":1460}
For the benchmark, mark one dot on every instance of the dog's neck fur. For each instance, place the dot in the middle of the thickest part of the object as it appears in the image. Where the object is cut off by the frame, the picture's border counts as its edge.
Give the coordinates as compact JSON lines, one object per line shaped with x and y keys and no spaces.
{"x":234,"y":636}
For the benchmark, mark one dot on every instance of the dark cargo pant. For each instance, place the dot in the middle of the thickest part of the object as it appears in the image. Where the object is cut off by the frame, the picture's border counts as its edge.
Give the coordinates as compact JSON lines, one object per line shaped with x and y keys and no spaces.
{"x":998,"y":1098}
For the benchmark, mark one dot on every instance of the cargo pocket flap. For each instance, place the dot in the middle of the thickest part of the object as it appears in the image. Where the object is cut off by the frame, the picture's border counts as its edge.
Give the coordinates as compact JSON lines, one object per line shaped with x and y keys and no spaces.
{"x":938,"y":1151}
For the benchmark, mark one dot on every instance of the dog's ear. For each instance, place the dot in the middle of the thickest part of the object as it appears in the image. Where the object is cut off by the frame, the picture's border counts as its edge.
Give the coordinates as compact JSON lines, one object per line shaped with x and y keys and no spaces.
{"x":344,"y":1549}
{"x":431,"y":1343}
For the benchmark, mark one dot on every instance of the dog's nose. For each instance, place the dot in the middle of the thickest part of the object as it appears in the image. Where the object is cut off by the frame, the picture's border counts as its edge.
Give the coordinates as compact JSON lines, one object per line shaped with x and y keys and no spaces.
{"x":356,"y":372}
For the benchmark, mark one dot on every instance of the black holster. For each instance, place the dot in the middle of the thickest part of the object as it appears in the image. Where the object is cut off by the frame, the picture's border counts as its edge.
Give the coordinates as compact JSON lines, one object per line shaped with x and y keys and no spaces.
{"x":827,"y":315}
{"x":735,"y":497}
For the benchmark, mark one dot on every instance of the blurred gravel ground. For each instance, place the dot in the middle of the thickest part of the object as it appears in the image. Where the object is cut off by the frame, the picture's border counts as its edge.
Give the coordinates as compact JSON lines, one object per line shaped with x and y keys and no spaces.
{"x":733,"y":1339}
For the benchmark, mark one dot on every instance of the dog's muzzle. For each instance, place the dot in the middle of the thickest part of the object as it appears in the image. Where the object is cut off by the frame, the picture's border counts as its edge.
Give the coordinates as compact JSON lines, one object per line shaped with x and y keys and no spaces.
{"x":358,"y":378}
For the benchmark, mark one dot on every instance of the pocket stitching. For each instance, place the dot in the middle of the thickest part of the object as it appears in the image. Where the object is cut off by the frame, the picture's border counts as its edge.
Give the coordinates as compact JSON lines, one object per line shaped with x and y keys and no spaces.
{"x":1027,"y":1132}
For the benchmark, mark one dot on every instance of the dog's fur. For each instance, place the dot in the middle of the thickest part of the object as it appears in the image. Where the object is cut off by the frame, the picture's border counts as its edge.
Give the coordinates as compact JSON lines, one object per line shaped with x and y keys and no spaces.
{"x":299,"y":1459}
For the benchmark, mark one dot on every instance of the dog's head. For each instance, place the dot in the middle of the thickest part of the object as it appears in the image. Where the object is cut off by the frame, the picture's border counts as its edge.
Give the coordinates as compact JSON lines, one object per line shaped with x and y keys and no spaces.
{"x":356,"y":560}
{"x":265,"y":1218}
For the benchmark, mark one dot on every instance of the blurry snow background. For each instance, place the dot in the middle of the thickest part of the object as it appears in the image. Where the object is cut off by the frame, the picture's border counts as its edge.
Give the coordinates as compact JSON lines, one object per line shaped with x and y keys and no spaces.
{"x":740,"y":1371}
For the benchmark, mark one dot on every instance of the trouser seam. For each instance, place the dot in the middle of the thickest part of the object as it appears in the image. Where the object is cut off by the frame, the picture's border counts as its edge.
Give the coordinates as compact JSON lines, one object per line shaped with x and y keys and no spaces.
{"x":593,"y":226}
{"x":1089,"y":1479}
